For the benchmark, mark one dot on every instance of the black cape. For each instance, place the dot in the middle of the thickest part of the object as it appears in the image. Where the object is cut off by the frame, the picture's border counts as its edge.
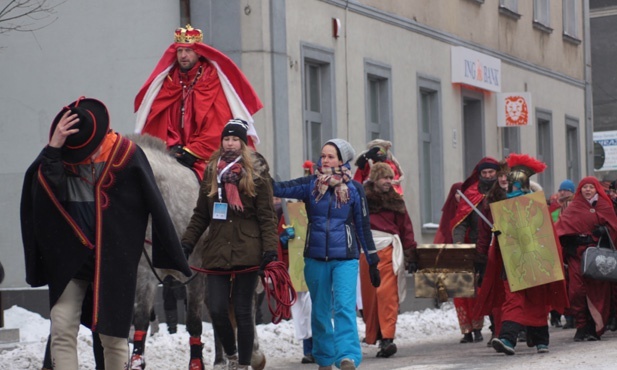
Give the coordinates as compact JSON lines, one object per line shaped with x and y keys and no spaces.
{"x":55,"y":248}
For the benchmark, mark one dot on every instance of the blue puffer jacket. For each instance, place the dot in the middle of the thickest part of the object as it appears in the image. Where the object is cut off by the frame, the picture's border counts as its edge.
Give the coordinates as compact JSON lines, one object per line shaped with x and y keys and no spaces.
{"x":332,"y":233}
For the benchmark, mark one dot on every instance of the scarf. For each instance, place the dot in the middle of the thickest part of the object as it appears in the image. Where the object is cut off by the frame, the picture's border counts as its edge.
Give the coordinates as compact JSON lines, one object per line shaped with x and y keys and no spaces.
{"x":335,"y":178}
{"x":231,"y":177}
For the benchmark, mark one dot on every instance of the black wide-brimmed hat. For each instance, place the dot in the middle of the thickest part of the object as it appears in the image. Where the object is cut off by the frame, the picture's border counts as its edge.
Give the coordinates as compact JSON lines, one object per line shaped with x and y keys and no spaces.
{"x":93,"y":125}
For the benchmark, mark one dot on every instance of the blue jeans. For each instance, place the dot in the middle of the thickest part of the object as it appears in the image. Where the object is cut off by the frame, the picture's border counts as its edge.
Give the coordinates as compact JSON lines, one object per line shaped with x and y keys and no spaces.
{"x":332,"y":286}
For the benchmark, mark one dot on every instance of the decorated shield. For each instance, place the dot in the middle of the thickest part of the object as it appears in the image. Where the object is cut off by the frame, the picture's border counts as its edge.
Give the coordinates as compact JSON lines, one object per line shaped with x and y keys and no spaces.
{"x":299,"y":220}
{"x":527,"y":241}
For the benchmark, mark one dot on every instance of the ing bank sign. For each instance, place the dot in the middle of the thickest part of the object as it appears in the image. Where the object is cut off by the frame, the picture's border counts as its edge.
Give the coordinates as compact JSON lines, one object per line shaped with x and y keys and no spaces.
{"x":475,"y":69}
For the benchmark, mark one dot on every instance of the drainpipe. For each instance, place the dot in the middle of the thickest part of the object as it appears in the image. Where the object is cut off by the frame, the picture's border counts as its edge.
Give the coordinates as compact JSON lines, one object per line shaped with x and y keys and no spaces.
{"x":588,"y":90}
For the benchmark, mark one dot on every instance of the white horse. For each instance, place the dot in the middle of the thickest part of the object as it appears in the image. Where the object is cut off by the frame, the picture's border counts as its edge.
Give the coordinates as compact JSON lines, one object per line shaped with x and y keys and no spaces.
{"x":179,"y":187}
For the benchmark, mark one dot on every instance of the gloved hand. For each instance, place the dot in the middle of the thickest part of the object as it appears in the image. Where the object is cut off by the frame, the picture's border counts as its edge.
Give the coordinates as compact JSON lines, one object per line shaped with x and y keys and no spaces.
{"x":187,"y":249}
{"x":269,"y":256}
{"x":374,"y":274}
{"x":288,"y":233}
{"x":412,"y":267}
{"x":373,"y":154}
{"x":185,"y":158}
{"x":174,"y":150}
{"x":599,"y":230}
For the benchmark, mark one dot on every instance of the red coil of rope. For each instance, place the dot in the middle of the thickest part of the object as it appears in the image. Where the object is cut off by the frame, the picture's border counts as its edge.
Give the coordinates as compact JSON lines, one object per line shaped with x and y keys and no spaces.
{"x":277,"y":283}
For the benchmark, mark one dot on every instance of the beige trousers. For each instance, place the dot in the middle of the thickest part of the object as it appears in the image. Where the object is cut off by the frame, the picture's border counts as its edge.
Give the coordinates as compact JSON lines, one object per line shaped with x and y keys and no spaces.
{"x":65,"y":320}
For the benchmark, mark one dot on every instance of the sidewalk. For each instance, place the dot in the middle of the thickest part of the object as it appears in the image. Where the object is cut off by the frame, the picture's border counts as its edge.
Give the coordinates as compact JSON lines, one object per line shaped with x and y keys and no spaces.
{"x":447,"y":353}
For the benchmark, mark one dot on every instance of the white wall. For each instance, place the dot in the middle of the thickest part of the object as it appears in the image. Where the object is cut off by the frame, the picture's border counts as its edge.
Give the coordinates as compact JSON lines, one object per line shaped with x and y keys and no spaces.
{"x":100,"y":49}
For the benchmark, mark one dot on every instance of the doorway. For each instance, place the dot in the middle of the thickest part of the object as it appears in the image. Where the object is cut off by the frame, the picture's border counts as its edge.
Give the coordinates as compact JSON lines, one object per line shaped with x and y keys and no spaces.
{"x":473,"y":129}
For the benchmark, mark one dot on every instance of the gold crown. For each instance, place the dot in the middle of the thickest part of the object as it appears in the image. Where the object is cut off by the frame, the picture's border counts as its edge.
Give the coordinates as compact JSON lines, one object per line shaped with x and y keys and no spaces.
{"x":188,"y":35}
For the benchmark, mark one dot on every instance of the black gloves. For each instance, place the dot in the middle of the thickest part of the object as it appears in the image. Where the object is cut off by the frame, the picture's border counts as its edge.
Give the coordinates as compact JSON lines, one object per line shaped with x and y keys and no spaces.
{"x":269,"y":256}
{"x":370,"y":154}
{"x":185,"y":158}
{"x":174,"y":150}
{"x":374,"y":274}
{"x":411,"y":258}
{"x":373,"y":154}
{"x":187,"y":249}
{"x":288,"y":233}
{"x":599,"y":231}
{"x":412,"y":267}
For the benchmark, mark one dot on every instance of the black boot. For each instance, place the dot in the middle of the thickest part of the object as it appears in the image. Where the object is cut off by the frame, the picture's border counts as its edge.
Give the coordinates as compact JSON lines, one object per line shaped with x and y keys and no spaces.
{"x":555,"y":319}
{"x":467,"y":338}
{"x":477,"y":336}
{"x":569,"y":323}
{"x":388,"y":348}
{"x":171,"y":317}
{"x":612,"y":324}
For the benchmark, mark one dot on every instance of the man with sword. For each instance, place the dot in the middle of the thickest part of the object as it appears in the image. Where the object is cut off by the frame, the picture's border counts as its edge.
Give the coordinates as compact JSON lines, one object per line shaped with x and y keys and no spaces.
{"x":464,"y":228}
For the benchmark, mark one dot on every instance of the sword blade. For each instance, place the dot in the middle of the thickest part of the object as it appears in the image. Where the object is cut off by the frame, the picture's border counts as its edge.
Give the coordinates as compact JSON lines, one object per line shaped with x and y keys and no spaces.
{"x":478,"y":212}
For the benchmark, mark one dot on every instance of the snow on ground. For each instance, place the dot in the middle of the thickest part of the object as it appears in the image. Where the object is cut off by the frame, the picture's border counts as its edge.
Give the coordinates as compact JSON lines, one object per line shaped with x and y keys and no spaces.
{"x":165,"y":351}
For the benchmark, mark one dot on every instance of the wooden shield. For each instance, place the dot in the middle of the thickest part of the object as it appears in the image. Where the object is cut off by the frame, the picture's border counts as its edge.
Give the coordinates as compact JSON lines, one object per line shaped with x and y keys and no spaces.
{"x":297,"y":214}
{"x":527,"y":241}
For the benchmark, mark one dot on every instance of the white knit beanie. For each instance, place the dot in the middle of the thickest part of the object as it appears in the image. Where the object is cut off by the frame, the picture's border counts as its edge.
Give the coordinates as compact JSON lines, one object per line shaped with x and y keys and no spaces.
{"x":345,"y":149}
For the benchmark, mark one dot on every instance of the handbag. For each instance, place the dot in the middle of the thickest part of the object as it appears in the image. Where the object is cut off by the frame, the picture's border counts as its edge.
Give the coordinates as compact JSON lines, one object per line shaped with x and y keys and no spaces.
{"x":600,"y":263}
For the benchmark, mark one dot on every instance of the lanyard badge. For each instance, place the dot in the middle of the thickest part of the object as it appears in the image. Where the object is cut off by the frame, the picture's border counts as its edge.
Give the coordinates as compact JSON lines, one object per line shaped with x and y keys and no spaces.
{"x":219,"y":211}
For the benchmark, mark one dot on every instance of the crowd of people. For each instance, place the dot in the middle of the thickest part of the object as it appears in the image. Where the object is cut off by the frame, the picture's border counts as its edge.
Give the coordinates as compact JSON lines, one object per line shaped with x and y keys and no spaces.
{"x":87,"y":199}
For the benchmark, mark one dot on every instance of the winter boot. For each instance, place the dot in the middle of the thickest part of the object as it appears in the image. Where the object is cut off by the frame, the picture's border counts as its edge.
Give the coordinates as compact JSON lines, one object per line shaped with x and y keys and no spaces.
{"x":232,"y":361}
{"x":196,"y":362}
{"x":477,"y":336}
{"x":138,"y":359}
{"x":555,"y":319}
{"x":171,"y":317}
{"x":503,"y":346}
{"x":387,"y":348}
{"x":347,"y":364}
{"x":467,"y":338}
{"x":307,"y":347}
{"x":580,"y":335}
{"x":569,"y":323}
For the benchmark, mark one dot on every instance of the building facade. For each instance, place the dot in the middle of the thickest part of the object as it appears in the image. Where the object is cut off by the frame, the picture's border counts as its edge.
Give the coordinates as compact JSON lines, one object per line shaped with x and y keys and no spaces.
{"x":429,"y":75}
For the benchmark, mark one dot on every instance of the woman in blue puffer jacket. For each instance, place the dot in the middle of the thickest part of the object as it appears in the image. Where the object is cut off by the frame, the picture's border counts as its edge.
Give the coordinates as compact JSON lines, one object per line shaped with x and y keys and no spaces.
{"x":338,"y":223}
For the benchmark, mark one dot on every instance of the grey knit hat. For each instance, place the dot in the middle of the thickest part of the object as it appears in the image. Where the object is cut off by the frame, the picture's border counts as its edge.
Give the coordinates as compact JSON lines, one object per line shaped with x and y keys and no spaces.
{"x":344,"y":150}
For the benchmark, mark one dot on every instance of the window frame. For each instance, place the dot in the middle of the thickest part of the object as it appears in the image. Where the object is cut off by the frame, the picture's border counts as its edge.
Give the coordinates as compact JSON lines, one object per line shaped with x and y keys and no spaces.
{"x":431,"y":186}
{"x":381,"y":74}
{"x":545,"y":147}
{"x":312,"y":55}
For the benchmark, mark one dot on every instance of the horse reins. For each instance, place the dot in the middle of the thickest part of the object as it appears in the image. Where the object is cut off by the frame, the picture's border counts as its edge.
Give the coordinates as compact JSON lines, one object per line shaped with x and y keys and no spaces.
{"x":277,"y":284}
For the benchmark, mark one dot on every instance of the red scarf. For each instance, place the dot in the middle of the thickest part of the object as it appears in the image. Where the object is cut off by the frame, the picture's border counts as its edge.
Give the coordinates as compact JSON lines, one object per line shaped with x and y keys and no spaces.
{"x":335,"y":178}
{"x":231,"y":178}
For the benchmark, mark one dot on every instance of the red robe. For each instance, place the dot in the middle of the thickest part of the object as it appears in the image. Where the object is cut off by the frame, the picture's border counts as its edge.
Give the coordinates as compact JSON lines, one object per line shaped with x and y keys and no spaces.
{"x":208,"y":106}
{"x":527,"y":307}
{"x":581,"y":218}
{"x":206,"y":113}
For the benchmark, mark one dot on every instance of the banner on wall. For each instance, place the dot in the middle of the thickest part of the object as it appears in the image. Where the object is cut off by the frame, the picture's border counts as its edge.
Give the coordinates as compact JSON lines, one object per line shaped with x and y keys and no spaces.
{"x":475,"y":69}
{"x":608,"y":141}
{"x":514,"y":109}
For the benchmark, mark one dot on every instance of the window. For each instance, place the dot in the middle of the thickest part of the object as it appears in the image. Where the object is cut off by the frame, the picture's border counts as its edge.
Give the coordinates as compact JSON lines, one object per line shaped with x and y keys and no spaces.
{"x":511,"y":5}
{"x":545,"y":149}
{"x":542,"y":12}
{"x":378,"y":101}
{"x":570,"y":15}
{"x":511,"y":140}
{"x":430,"y":152}
{"x":572,"y":151}
{"x":318,"y":90}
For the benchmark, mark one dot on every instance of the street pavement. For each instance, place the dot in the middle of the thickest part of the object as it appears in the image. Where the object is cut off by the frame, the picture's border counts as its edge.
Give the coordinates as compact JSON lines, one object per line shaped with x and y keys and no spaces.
{"x":448,"y":353}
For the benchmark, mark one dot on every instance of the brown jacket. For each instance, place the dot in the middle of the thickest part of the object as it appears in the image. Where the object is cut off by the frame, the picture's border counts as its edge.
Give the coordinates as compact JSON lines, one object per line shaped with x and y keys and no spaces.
{"x":240,"y":240}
